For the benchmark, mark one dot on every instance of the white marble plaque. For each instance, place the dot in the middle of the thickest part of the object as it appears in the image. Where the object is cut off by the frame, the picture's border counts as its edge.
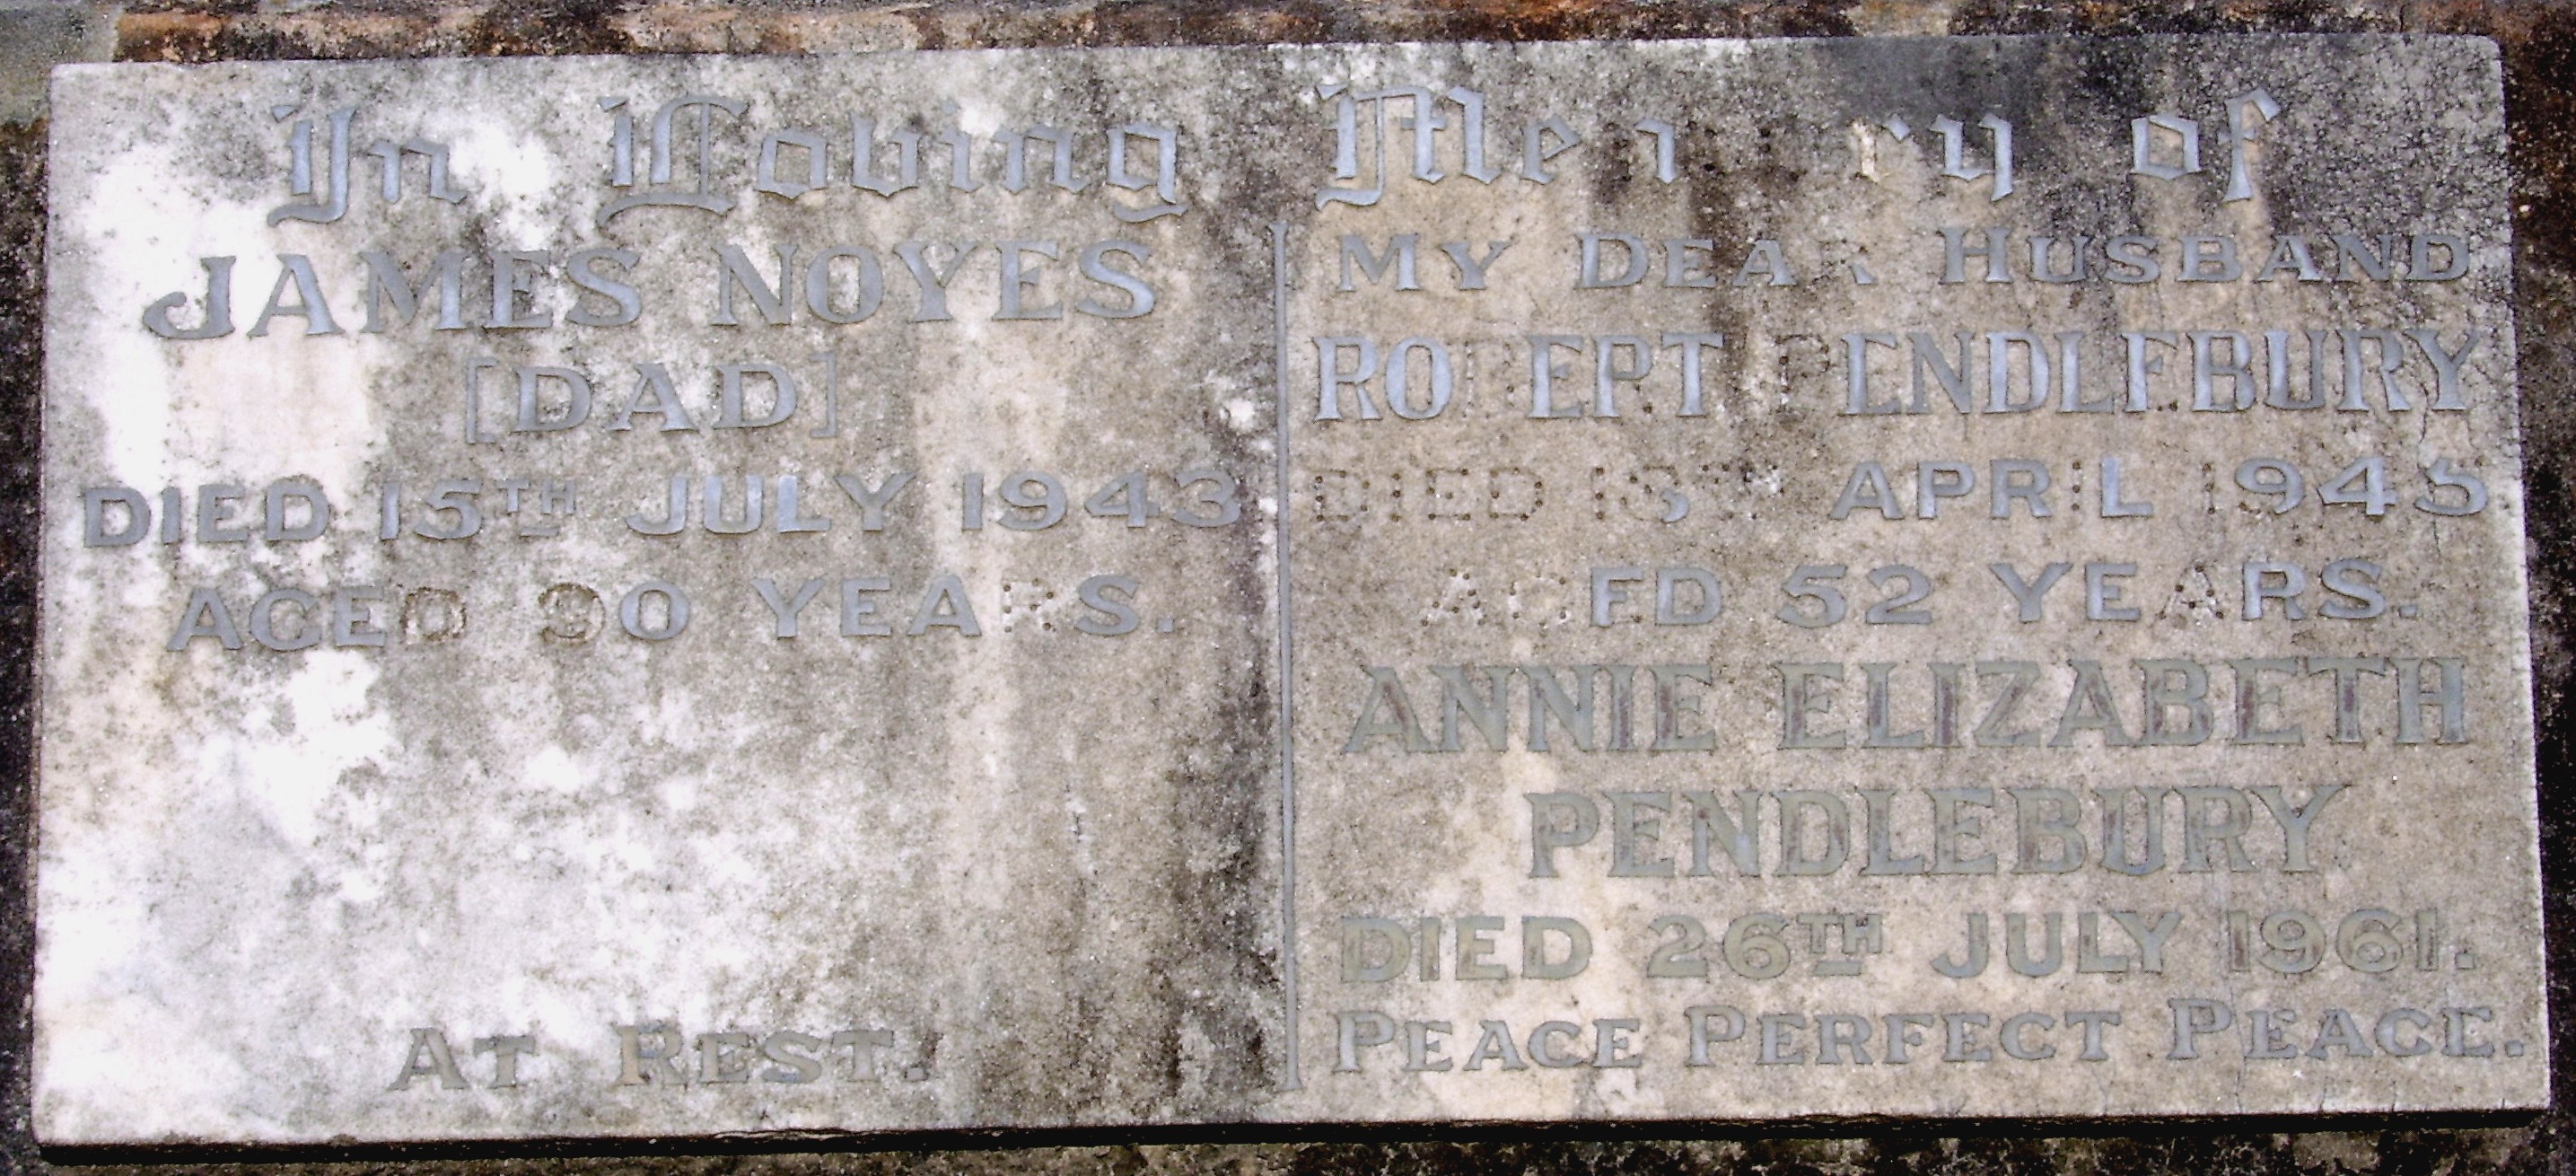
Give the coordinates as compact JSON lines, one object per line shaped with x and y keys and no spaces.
{"x":1687,"y":580}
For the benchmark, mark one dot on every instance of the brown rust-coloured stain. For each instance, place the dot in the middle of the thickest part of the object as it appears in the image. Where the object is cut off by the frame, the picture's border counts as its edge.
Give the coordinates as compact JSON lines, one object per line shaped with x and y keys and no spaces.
{"x":166,"y":30}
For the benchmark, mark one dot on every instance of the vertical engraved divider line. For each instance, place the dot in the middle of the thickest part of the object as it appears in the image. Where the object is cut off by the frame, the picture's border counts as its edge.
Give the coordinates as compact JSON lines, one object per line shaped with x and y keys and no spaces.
{"x":1287,"y":656}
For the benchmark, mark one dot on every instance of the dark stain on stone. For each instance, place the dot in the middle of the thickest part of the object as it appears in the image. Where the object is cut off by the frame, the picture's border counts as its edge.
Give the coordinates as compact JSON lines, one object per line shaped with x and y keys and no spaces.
{"x":22,"y":353}
{"x":2540,"y":117}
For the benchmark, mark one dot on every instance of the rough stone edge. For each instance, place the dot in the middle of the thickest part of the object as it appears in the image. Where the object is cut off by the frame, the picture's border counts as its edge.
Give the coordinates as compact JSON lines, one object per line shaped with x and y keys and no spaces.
{"x":2538,"y":39}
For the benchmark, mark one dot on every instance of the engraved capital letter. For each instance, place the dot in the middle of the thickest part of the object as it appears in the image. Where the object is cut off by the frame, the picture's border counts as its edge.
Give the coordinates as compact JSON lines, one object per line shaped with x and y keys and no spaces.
{"x":703,"y":196}
{"x":219,"y":305}
{"x":332,"y":186}
{"x":1346,"y":150}
{"x":429,"y":1058}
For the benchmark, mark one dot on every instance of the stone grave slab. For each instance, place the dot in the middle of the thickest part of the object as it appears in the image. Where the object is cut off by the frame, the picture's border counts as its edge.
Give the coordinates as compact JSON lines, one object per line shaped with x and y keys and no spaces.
{"x":1696,"y":580}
